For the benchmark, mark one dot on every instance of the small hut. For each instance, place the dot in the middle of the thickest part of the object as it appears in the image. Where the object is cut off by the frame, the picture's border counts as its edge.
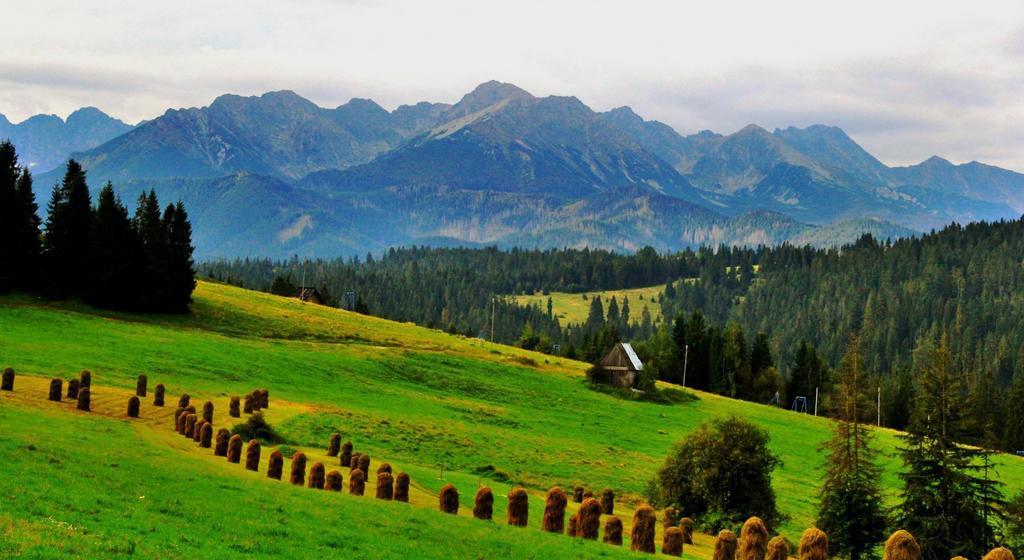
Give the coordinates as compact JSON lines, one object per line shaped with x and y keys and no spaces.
{"x":620,"y":366}
{"x":310,"y":295}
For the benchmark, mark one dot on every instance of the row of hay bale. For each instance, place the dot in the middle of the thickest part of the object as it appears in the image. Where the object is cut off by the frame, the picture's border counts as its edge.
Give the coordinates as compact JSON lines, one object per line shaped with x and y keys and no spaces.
{"x":80,"y":391}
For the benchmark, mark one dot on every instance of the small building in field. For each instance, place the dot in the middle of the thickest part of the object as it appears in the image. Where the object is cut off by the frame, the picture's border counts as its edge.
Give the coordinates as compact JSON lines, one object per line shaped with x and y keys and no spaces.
{"x":310,"y":295}
{"x":620,"y":366}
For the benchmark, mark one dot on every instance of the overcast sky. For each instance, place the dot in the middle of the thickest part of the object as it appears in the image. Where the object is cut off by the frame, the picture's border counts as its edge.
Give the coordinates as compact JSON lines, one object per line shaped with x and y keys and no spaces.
{"x":906,"y":79}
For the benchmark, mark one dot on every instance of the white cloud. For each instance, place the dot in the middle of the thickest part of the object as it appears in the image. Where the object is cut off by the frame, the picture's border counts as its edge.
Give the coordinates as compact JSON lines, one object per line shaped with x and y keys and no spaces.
{"x":906,"y":79}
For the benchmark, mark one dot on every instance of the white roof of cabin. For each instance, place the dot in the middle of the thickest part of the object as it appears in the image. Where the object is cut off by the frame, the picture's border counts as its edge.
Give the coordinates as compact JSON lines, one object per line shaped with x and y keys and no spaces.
{"x":633,"y":358}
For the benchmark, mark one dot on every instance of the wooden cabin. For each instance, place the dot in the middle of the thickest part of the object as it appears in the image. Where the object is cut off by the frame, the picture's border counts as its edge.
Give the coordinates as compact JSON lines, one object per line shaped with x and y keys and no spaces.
{"x":620,"y":366}
{"x":310,"y":295}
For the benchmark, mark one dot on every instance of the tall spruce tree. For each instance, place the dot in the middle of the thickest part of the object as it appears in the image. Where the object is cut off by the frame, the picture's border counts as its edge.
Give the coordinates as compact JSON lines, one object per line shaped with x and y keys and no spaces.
{"x":1013,"y":426}
{"x":949,"y":499}
{"x":180,"y":266}
{"x":19,"y":223}
{"x":66,"y":243}
{"x":851,"y":510}
{"x":115,"y":254}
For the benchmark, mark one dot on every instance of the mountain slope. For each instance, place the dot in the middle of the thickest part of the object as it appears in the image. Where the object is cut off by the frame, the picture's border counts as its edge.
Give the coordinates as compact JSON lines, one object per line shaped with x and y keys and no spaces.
{"x":46,"y":141}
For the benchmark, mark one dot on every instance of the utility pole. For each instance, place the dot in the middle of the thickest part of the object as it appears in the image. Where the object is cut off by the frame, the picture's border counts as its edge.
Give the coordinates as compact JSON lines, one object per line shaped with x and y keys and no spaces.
{"x":686,"y":362}
{"x":815,"y":401}
{"x":492,"y":318}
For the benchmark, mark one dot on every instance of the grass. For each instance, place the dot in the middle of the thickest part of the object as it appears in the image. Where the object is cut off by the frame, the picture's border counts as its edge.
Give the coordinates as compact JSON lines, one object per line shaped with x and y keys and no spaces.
{"x":574,"y":308}
{"x":416,"y":398}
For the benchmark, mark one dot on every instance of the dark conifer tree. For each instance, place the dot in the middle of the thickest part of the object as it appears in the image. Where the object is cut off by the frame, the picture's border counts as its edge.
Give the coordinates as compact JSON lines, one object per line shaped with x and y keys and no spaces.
{"x":66,"y":243}
{"x":1013,"y":429}
{"x":19,"y":223}
{"x":180,"y":266}
{"x":114,"y":252}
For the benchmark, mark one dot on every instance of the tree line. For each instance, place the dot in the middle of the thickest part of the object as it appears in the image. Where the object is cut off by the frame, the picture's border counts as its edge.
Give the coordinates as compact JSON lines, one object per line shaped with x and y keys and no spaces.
{"x":98,"y":253}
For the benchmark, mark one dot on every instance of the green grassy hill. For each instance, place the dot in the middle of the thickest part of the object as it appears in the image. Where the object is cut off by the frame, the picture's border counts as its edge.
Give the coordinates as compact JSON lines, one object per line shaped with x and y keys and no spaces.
{"x":573,"y":308}
{"x":100,"y":485}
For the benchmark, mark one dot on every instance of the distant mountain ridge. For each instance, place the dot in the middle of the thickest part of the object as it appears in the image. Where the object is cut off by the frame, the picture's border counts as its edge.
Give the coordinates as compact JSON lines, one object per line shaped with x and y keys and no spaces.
{"x":46,"y":141}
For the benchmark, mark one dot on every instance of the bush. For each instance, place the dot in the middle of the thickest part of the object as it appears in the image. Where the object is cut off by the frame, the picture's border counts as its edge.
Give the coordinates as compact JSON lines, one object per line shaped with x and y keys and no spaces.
{"x":724,"y":468}
{"x":483,"y":504}
{"x":1015,"y":522}
{"x":256,"y":427}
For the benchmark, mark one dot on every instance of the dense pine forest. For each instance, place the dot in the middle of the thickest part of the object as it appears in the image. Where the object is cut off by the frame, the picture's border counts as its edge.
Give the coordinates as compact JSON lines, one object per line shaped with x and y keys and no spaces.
{"x":764,"y":324}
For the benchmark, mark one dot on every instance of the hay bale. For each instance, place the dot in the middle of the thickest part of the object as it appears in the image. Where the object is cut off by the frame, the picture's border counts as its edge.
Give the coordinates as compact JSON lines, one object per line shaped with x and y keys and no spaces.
{"x":672,"y":542}
{"x":85,"y":379}
{"x":83,"y":399}
{"x":298,"y":473}
{"x":385,"y":485}
{"x":577,"y":494}
{"x":958,"y":558}
{"x":814,"y":545}
{"x":206,"y":436}
{"x":607,"y":501}
{"x":234,"y":408}
{"x":588,"y":519}
{"x":644,"y":524}
{"x":179,"y":421}
{"x":190,"y":424}
{"x":353,"y":462}
{"x":140,"y":385}
{"x":345,"y":455}
{"x":554,"y":511}
{"x":901,"y":545}
{"x":183,"y":401}
{"x":197,"y":431}
{"x":190,"y":409}
{"x":613,"y":531}
{"x":384,"y":467}
{"x":333,"y":481}
{"x":256,"y":403}
{"x":317,"y":474}
{"x":778,"y":549}
{"x":335,"y":445}
{"x":250,"y":404}
{"x":686,"y":524}
{"x":133,"y":407}
{"x":73,"y":389}
{"x":208,"y":411}
{"x":998,"y":554}
{"x":518,"y":507}
{"x":221,"y":446}
{"x":570,"y":527}
{"x":402,"y":487}
{"x":56,"y":388}
{"x":753,"y":540}
{"x":8,"y":380}
{"x":264,"y":398}
{"x":670,"y":517}
{"x":587,"y":494}
{"x":252,"y":455}
{"x":158,"y":395}
{"x":235,"y":449}
{"x":357,"y":482}
{"x":364,"y":463}
{"x":725,"y":546}
{"x":483,"y":504}
{"x":448,"y":499}
{"x":275,"y":465}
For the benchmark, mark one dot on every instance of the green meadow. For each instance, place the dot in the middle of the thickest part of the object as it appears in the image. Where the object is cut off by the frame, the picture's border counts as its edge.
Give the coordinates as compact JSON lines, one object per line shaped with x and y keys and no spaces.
{"x":573,"y":308}
{"x":445,"y":409}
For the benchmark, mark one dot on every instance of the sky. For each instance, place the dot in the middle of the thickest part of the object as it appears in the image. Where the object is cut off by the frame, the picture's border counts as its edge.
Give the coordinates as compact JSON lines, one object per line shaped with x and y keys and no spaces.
{"x":906,"y":79}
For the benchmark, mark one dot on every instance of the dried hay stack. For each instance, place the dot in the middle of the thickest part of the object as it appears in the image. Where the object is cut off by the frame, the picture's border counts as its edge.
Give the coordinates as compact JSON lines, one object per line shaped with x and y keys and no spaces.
{"x":483,"y":504}
{"x":317,"y":475}
{"x":275,"y":465}
{"x":158,"y":395}
{"x":672,"y":542}
{"x":402,"y":487}
{"x":753,"y":540}
{"x":56,"y":388}
{"x":725,"y":546}
{"x":813,"y":545}
{"x":588,"y":519}
{"x":385,"y":485}
{"x":613,"y":531}
{"x":356,"y":482}
{"x":140,"y":385}
{"x":448,"y":499}
{"x":554,"y":511}
{"x":778,"y":549}
{"x":518,"y":507}
{"x":642,"y":536}
{"x":333,"y":481}
{"x":901,"y":545}
{"x":298,"y":472}
{"x":252,"y":455}
{"x":235,"y":449}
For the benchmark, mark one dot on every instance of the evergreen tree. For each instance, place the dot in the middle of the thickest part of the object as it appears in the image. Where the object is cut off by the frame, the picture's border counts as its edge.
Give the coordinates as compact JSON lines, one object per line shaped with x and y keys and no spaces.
{"x":808,"y":372}
{"x":1013,"y":429}
{"x":595,"y":318}
{"x":851,"y":510}
{"x":180,"y":266}
{"x":624,"y":315}
{"x":760,"y":355}
{"x":613,"y":311}
{"x":948,"y":501}
{"x":19,"y":223}
{"x":113,"y":250}
{"x":66,"y":244}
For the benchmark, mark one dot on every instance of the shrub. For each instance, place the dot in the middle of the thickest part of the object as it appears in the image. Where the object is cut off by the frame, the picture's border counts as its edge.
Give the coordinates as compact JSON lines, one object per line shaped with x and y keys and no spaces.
{"x":385,"y":485}
{"x":183,"y":401}
{"x":402,"y":487}
{"x":608,"y":501}
{"x":8,"y":380}
{"x":233,"y":408}
{"x":642,"y":536}
{"x":73,"y":389}
{"x":221,"y":447}
{"x":357,"y":482}
{"x":235,"y":449}
{"x":252,"y":455}
{"x":554,"y":511}
{"x":902,"y":546}
{"x":158,"y":395}
{"x":448,"y":499}
{"x":335,"y":445}
{"x":56,"y":388}
{"x":133,"y":407}
{"x":208,"y":411}
{"x":518,"y":507}
{"x":724,"y":468}
{"x":83,"y":399}
{"x":85,"y":379}
{"x":670,"y":517}
{"x":613,"y":531}
{"x":206,"y":436}
{"x":725,"y":546}
{"x":317,"y":474}
{"x":686,"y":524}
{"x":577,"y":494}
{"x":298,"y":473}
{"x":672,"y":542}
{"x":753,"y":540}
{"x":384,"y":467}
{"x":333,"y":481}
{"x":570,"y":527}
{"x":997,"y":554}
{"x":345,"y":456}
{"x":483,"y":503}
{"x":588,"y":519}
{"x":140,"y":385}
{"x":256,"y":427}
{"x":190,"y":424}
{"x":364,"y":463}
{"x":275,"y":465}
{"x":778,"y":549}
{"x":813,"y":545}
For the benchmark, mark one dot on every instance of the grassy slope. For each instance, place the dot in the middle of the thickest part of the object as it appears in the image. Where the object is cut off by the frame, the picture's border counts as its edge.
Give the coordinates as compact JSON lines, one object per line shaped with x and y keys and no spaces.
{"x":572,"y":308}
{"x":413,"y":397}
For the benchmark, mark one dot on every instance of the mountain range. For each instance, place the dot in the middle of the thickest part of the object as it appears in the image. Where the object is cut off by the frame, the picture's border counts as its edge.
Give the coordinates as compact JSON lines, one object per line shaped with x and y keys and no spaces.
{"x":278,"y":175}
{"x":46,"y":141}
